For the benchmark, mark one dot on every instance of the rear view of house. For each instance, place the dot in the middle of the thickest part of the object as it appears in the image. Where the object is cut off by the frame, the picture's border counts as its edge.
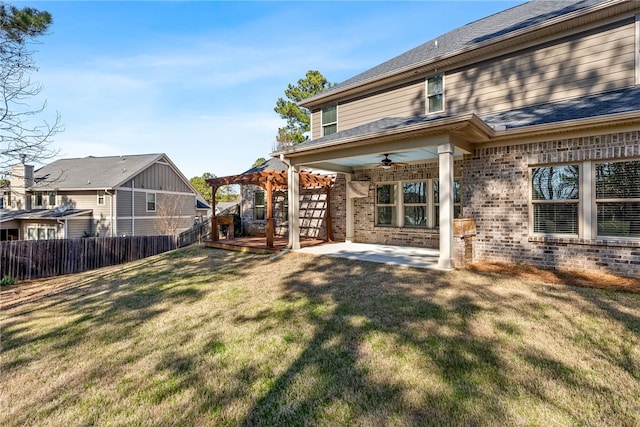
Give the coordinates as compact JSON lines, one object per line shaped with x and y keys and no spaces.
{"x":98,"y":196}
{"x":526,"y":123}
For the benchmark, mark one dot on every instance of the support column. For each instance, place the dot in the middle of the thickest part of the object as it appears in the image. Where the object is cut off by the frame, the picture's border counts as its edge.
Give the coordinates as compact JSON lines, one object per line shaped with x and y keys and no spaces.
{"x":349,"y":212}
{"x":294,"y":207}
{"x":270,"y":221}
{"x":445,"y":156}
{"x":327,"y":215}
{"x":215,"y":236}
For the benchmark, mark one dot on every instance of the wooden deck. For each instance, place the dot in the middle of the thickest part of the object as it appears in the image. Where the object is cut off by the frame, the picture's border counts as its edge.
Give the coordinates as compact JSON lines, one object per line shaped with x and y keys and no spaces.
{"x":258,"y":245}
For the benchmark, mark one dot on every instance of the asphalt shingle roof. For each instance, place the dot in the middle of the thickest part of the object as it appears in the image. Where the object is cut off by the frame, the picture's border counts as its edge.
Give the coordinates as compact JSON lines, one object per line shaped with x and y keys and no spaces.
{"x":614,"y":102}
{"x":92,"y":172}
{"x":468,"y":36}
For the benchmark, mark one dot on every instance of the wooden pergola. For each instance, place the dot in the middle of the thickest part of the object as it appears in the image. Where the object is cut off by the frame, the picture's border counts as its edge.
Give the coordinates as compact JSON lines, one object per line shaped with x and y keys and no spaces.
{"x":271,"y":181}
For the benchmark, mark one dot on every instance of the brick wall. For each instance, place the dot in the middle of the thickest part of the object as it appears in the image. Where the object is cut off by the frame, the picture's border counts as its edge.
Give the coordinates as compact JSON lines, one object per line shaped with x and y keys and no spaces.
{"x":496,"y":195}
{"x":365,"y":230}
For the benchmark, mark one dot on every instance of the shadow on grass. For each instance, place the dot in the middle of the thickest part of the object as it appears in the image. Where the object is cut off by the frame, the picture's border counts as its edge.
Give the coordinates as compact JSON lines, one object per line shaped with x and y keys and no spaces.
{"x":383,"y":308}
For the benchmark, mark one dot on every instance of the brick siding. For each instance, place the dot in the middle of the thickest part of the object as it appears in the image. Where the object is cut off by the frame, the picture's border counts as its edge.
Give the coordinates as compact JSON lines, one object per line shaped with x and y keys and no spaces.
{"x":496,"y":195}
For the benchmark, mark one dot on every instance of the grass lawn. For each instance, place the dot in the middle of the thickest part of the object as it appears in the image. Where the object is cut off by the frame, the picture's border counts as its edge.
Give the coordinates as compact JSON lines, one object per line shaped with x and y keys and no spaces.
{"x":207,"y":337}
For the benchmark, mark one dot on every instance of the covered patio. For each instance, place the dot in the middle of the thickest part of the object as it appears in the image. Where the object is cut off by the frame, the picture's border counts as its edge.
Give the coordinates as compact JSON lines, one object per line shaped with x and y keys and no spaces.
{"x":410,"y":141}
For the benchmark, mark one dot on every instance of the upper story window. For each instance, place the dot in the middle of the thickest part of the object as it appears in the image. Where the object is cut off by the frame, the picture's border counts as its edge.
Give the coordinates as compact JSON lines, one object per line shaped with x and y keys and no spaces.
{"x":42,"y":199}
{"x":258,"y":205}
{"x":151,"y":202}
{"x":329,"y":120}
{"x":435,"y":94}
{"x":101,"y":197}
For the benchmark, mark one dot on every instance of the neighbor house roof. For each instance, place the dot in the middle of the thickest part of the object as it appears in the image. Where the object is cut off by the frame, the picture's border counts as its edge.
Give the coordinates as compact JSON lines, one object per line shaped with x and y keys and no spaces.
{"x":37,"y":214}
{"x":516,"y":20}
{"x":93,"y":172}
{"x":272,"y":164}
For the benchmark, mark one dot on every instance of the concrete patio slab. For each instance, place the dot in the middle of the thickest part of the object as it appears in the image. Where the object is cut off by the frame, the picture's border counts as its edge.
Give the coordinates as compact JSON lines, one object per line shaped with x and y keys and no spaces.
{"x":386,"y":254}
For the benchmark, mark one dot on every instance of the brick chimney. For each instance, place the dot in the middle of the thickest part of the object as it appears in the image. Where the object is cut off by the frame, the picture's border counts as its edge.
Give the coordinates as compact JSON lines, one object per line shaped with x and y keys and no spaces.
{"x":21,"y":179}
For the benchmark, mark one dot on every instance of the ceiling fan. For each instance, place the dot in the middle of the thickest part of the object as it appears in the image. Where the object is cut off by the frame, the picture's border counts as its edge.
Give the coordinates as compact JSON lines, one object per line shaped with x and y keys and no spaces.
{"x":387,"y":163}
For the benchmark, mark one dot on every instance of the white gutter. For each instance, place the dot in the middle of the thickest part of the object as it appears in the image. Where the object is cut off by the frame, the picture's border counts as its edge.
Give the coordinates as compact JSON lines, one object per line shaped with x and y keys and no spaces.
{"x":133,"y":208}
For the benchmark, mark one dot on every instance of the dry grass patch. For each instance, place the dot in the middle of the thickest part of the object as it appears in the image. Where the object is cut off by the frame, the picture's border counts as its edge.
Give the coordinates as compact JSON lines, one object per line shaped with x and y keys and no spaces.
{"x":208,"y":337}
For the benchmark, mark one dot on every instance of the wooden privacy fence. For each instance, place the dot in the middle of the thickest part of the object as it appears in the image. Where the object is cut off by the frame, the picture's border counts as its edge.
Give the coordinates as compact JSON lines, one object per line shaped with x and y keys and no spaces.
{"x":194,"y":234}
{"x":31,"y":259}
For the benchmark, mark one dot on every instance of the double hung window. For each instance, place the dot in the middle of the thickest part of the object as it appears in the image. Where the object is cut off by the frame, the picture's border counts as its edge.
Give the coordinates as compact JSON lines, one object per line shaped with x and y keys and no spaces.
{"x":411,"y":204}
{"x":617,"y":198}
{"x":329,"y":120}
{"x":555,"y":195}
{"x":435,"y":94}
{"x":100,"y":198}
{"x":258,"y":205}
{"x":457,"y":208}
{"x":386,"y":204}
{"x":151,"y":202}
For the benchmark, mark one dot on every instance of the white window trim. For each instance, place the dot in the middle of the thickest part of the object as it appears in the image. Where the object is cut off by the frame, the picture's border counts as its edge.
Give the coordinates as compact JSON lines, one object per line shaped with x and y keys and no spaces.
{"x":399,"y":204}
{"x":155,"y":202}
{"x":104,"y":197}
{"x":587,"y":203}
{"x":427,"y":95}
{"x":263,"y":206}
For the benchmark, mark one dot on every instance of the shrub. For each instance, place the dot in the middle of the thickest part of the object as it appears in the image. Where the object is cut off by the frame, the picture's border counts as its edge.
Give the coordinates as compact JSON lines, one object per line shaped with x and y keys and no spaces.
{"x":7,"y":281}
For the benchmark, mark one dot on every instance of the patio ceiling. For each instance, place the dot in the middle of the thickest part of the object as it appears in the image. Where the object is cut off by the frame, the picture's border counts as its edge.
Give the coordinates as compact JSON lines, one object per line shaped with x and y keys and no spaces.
{"x":373,"y":160}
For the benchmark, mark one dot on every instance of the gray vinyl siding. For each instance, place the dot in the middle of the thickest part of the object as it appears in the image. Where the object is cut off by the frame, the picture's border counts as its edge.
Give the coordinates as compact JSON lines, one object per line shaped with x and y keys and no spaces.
{"x":577,"y":66}
{"x":159,"y":176}
{"x":595,"y":61}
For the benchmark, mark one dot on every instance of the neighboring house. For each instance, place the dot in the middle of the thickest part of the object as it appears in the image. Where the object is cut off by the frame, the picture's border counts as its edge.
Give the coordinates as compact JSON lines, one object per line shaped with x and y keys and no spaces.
{"x":526,"y":122}
{"x":99,"y":196}
{"x":253,"y":206}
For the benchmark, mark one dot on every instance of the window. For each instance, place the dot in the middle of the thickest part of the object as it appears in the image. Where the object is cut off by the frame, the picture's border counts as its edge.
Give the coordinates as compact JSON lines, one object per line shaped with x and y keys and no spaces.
{"x":414,"y":196}
{"x":617,"y":198}
{"x":457,"y":207}
{"x":258,"y":205}
{"x":329,"y":120}
{"x":38,"y":200}
{"x":52,"y":199}
{"x":101,"y":197}
{"x":416,"y":206}
{"x":435,"y":94}
{"x":555,"y":192}
{"x":386,"y":204}
{"x":151,"y":202}
{"x":41,"y":233}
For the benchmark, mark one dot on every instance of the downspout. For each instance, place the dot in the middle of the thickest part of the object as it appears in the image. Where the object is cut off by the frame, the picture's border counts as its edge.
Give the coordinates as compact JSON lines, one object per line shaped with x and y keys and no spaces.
{"x":65,"y":228}
{"x":133,"y":208}
{"x":111,"y":221}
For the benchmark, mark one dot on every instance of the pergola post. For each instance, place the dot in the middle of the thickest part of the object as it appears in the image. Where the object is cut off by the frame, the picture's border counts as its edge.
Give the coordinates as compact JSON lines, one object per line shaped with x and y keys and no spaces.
{"x":270,"y":220}
{"x":294,"y":207}
{"x":327,"y":215}
{"x":445,"y":157}
{"x":215,"y":236}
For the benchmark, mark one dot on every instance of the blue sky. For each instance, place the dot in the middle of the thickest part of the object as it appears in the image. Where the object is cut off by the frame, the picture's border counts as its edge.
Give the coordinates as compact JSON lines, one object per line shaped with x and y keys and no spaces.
{"x":199,"y":80}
